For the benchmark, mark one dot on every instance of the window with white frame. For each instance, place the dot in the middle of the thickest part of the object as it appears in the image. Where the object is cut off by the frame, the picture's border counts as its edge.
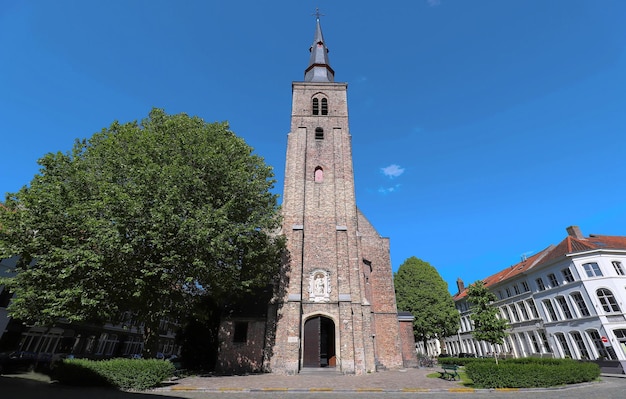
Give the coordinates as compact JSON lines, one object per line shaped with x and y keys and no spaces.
{"x":540,"y":285}
{"x":547,"y":304}
{"x":523,"y":311}
{"x":553,"y":280}
{"x":607,"y":300}
{"x":564,"y":346}
{"x":619,"y":269}
{"x":535,"y":342}
{"x":544,"y":340}
{"x":110,"y":344}
{"x":533,"y":308}
{"x":567,"y":275}
{"x":516,"y":289}
{"x":525,"y":286}
{"x":505,"y":313}
{"x":592,"y":269}
{"x":104,"y":337}
{"x":620,"y":334}
{"x":597,"y":342}
{"x":583,"y":310}
{"x":578,"y":339}
{"x":514,"y":313}
{"x":508,"y":292}
{"x":564,"y":307}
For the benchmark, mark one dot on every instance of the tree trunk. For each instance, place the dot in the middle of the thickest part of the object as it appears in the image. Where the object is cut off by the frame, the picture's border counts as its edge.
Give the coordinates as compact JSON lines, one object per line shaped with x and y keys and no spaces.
{"x":150,"y":339}
{"x":442,"y":345}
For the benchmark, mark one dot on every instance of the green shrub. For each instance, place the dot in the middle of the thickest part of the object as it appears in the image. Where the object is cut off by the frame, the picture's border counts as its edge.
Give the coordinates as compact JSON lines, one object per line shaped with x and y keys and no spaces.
{"x":136,"y":374}
{"x":530,"y":373}
{"x":462,"y":361}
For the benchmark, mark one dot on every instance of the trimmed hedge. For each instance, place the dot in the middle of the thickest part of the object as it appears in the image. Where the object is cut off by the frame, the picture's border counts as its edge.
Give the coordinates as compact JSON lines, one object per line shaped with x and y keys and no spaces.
{"x":462,"y":361}
{"x":530,"y":372}
{"x":135,"y":374}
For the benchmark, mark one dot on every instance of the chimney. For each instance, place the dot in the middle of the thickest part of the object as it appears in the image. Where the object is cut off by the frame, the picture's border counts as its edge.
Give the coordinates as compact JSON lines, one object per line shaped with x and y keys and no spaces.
{"x":574,"y":231}
{"x":460,"y":285}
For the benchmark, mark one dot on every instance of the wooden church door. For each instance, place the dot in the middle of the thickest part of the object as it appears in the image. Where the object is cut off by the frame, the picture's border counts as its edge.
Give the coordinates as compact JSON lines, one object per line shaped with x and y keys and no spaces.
{"x":319,"y":343}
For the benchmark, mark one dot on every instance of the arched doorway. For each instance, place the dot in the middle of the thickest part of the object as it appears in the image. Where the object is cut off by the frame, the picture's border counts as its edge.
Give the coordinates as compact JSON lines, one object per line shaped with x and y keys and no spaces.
{"x":319,"y":342}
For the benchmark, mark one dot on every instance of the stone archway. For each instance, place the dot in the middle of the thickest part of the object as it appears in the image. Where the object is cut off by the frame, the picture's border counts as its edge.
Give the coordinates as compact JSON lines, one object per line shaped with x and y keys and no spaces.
{"x":319,"y":342}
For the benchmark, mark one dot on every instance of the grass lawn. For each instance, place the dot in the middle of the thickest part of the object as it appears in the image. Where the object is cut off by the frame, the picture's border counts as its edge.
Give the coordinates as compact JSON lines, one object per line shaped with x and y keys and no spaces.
{"x":465,"y":380}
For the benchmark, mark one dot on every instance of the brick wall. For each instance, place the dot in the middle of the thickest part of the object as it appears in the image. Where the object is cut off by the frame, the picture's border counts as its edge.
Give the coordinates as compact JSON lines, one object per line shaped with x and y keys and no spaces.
{"x":325,"y":232}
{"x":242,"y":357}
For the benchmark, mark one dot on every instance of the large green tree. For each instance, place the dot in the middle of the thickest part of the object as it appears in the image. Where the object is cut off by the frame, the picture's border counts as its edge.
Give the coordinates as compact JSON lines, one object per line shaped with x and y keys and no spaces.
{"x":421,"y":291}
{"x":488,"y":326}
{"x":141,"y":219}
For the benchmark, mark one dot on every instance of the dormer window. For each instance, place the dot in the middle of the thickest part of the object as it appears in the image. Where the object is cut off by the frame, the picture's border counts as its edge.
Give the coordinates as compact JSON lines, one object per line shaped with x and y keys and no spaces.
{"x":316,"y":106}
{"x":319,"y":133}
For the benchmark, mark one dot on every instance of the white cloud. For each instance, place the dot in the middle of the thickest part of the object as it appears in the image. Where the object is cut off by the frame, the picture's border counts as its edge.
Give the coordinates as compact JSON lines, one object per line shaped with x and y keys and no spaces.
{"x":388,"y":190}
{"x":392,"y":171}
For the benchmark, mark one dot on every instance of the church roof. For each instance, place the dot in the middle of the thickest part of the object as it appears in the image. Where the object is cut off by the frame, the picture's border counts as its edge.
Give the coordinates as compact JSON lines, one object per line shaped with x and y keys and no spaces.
{"x":572,"y":244}
{"x":319,"y":69}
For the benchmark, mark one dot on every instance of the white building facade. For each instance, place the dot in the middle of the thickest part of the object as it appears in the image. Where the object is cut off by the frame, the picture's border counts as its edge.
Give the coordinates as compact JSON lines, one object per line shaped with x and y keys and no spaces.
{"x":567,"y":301}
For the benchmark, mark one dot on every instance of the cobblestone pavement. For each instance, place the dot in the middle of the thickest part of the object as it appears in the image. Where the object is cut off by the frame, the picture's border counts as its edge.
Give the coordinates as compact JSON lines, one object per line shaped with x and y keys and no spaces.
{"x":406,"y":379}
{"x":390,"y":384}
{"x":398,"y":384}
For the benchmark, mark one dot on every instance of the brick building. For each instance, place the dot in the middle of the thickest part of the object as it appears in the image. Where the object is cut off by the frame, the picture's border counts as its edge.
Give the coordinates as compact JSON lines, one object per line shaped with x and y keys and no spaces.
{"x":336,"y":307}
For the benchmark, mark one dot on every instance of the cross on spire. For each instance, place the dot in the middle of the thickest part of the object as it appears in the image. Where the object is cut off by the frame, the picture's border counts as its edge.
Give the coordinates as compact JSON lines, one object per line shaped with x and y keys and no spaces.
{"x":319,"y":69}
{"x":317,"y":13}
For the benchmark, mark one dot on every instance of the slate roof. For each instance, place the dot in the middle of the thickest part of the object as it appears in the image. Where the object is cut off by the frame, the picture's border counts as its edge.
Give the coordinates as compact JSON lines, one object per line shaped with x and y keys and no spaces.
{"x":319,"y":69}
{"x":570,"y":245}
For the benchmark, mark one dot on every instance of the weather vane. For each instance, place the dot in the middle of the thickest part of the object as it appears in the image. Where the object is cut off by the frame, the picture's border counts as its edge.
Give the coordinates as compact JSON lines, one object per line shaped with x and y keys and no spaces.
{"x":317,"y":13}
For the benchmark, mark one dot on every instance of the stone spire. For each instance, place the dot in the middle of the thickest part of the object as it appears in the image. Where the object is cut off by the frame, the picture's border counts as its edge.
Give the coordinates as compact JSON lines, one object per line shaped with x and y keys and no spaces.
{"x":319,"y":69}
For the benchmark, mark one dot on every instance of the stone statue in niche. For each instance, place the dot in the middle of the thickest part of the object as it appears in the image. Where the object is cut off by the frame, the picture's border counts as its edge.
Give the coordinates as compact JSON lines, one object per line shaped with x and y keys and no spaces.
{"x":319,"y":286}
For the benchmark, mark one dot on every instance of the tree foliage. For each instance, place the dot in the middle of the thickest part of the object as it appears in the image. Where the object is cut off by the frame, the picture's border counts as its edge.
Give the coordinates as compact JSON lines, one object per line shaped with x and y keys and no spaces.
{"x":142,"y":218}
{"x":421,"y":291}
{"x":487,"y":326}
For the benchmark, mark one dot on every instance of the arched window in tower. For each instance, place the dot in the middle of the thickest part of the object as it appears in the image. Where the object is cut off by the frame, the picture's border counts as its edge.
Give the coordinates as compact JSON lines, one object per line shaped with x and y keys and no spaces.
{"x":316,"y":106}
{"x":319,"y":174}
{"x":319,"y":133}
{"x":324,"y":106}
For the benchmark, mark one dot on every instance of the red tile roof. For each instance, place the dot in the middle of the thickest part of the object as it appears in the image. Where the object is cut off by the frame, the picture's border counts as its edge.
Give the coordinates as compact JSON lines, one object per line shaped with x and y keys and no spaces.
{"x":569,"y":245}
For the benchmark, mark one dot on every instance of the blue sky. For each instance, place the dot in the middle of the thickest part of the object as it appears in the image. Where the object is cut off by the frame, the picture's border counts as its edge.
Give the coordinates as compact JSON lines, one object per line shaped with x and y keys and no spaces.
{"x":480,"y":129}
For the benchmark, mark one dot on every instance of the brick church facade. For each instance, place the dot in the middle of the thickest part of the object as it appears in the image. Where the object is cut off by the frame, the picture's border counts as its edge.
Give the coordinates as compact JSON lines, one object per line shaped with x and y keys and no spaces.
{"x":336,"y":306}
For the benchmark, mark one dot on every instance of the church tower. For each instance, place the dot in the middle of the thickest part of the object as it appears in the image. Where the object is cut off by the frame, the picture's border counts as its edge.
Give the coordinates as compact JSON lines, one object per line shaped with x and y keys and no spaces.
{"x":337,"y":307}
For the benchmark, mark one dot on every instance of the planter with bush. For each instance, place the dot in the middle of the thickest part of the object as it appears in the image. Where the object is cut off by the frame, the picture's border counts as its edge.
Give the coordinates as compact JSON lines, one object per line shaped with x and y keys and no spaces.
{"x":132,"y":374}
{"x":530,"y":372}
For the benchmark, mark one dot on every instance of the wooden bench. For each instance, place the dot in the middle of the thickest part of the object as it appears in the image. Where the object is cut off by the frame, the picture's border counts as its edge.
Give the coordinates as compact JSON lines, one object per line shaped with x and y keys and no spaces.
{"x":450,"y":371}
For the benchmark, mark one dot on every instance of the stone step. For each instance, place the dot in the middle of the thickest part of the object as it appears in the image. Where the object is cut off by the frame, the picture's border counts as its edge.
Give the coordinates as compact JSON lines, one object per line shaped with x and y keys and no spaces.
{"x":319,"y":370}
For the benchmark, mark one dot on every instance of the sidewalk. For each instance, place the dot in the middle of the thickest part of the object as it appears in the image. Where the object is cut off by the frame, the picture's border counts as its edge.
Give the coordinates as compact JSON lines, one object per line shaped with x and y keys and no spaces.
{"x":404,"y":380}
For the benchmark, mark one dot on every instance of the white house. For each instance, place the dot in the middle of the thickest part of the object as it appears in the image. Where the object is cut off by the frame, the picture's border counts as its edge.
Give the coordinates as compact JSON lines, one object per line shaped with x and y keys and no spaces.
{"x":568,"y":300}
